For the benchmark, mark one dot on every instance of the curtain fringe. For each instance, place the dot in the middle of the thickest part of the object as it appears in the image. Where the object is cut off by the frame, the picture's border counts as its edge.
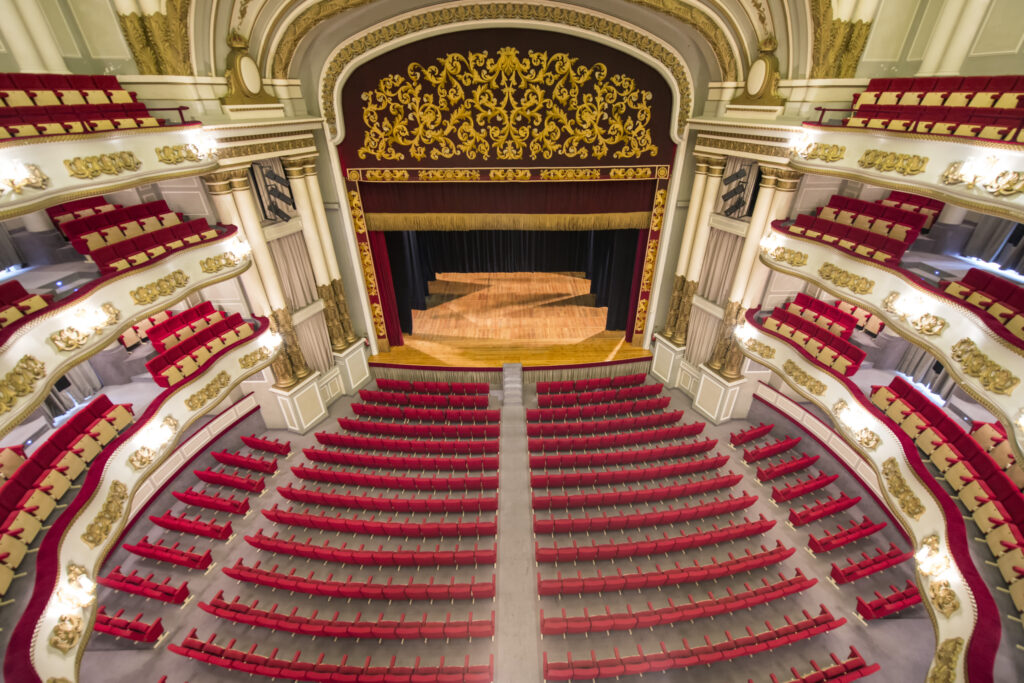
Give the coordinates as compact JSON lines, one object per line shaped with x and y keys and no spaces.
{"x":628,"y":220}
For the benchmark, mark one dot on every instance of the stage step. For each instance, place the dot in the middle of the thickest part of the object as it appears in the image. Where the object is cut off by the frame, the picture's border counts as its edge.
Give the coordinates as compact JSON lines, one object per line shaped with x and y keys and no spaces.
{"x":512,"y":383}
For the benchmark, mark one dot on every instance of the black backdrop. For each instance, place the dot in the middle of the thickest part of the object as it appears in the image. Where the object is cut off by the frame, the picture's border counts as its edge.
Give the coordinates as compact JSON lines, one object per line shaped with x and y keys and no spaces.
{"x":606,"y":257}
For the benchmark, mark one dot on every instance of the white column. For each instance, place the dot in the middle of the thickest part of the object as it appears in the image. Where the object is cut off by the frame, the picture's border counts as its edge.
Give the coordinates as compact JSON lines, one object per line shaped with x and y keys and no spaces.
{"x":303,"y":204}
{"x":19,"y":39}
{"x":227,"y":211}
{"x":782,"y":203}
{"x":943,"y":31}
{"x":759,"y":220}
{"x":703,"y":228}
{"x":42,"y":36}
{"x":700,"y":179}
{"x":322,"y":226}
{"x":959,"y":46}
{"x":249,"y":215}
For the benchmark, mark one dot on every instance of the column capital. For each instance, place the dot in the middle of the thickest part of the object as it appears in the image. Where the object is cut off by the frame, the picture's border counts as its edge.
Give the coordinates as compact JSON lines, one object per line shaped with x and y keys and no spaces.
{"x":715,"y":164}
{"x":295,"y":167}
{"x":220,"y":182}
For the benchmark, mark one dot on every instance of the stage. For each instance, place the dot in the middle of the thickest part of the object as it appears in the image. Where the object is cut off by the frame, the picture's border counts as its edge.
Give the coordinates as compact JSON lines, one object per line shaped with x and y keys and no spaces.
{"x":482,"y":320}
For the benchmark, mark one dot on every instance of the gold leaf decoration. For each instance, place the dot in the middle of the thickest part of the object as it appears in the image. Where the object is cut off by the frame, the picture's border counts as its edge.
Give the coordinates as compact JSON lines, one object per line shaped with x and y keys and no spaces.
{"x":110,"y":512}
{"x":631,"y":173}
{"x":760,"y":348}
{"x":215,"y":264}
{"x":823,"y":152}
{"x":449,"y":175}
{"x":1005,"y":183}
{"x":20,"y":381}
{"x":946,"y":656}
{"x":114,"y":163}
{"x":177,"y":154}
{"x":803,"y":379}
{"x":791,"y":256}
{"x":897,"y":485}
{"x":992,"y":376}
{"x":843,"y":278}
{"x":904,"y":164}
{"x":255,"y":358}
{"x":925,"y":323}
{"x":208,"y":392}
{"x":384,"y":174}
{"x":943,"y":597}
{"x":165,"y":286}
{"x":33,"y":178}
{"x":509,"y":174}
{"x":506,"y":107}
{"x":570,"y":174}
{"x":71,"y":337}
{"x":67,"y":632}
{"x":650,"y":257}
{"x":141,"y":458}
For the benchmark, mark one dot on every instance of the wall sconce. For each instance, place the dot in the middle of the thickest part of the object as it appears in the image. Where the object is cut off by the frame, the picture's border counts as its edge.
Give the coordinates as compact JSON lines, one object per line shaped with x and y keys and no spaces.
{"x":913,"y":310}
{"x":16,"y":175}
{"x":205,"y":145}
{"x":274,"y":339}
{"x":86,"y":322}
{"x":801,"y":144}
{"x":857,"y":421}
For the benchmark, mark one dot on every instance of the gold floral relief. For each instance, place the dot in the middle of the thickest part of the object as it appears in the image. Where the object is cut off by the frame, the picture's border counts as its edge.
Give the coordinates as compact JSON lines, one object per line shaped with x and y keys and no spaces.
{"x":114,"y":163}
{"x":897,"y":485}
{"x":378,"y":320}
{"x":177,"y":154}
{"x":67,"y":632}
{"x":208,"y":392}
{"x":20,"y":381}
{"x":631,"y":173}
{"x":843,"y":278}
{"x":925,"y":323}
{"x":254,"y":358}
{"x":34,"y":178}
{"x":943,"y":597}
{"x":448,"y":175}
{"x":760,"y":348}
{"x":544,"y":106}
{"x":73,"y":337}
{"x":165,"y":286}
{"x":1005,"y":183}
{"x":509,"y":174}
{"x":791,"y":256}
{"x":215,"y":264}
{"x":570,"y":174}
{"x":992,"y":376}
{"x":947,"y":654}
{"x":822,"y":151}
{"x":109,"y":513}
{"x":904,"y":164}
{"x":384,"y":174}
{"x":803,"y":379}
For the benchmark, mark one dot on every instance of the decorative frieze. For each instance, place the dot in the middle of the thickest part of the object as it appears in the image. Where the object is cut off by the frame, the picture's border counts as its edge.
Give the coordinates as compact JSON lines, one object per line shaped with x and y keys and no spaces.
{"x":974,"y":363}
{"x":208,"y":392}
{"x":114,"y":163}
{"x":110,"y":513}
{"x":797,"y":374}
{"x":845,"y":279}
{"x":898,"y":488}
{"x":884,"y":162}
{"x":20,"y":381}
{"x":165,"y":286}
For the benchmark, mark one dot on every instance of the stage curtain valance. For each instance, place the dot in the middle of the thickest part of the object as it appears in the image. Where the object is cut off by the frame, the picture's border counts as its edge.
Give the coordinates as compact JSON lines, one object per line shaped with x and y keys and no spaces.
{"x":445,"y":222}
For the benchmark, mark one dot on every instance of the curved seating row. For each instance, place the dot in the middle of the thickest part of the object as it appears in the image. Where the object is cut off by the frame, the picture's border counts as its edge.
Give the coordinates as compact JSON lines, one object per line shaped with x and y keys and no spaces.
{"x":171,"y":554}
{"x":649,"y":546}
{"x":691,"y":486}
{"x":673,"y":576}
{"x":249,"y":662}
{"x":821,"y":509}
{"x":871,"y":564}
{"x":484,"y":483}
{"x":458,"y":388}
{"x":993,"y":298}
{"x":822,"y":346}
{"x":415,"y":462}
{"x":249,"y":462}
{"x":768,"y":450}
{"x":636,"y":520}
{"x":145,"y":586}
{"x":926,"y":206}
{"x":586,"y":443}
{"x":621,"y":457}
{"x":189,"y":356}
{"x":376,"y":443}
{"x":884,"y":606}
{"x":435,"y":503}
{"x":397,"y":398}
{"x":620,"y":476}
{"x":601,"y":426}
{"x":17,"y":303}
{"x":597,"y":410}
{"x":600,"y":396}
{"x":133,"y":629}
{"x":93,"y":233}
{"x":362,"y":590}
{"x":856,"y":530}
{"x":784,"y":467}
{"x":388,"y":527}
{"x":673,"y":613}
{"x":399,"y":557}
{"x":434,"y":431}
{"x":221,"y":477}
{"x":751,"y":434}
{"x":139,"y":250}
{"x":213,"y":501}
{"x":336,"y":627}
{"x":866,"y":320}
{"x":822,"y":314}
{"x":450,"y":415}
{"x":841,"y":671}
{"x":196,"y":526}
{"x":801,"y":487}
{"x":260,"y":443}
{"x":566,"y":386}
{"x":181,"y":326}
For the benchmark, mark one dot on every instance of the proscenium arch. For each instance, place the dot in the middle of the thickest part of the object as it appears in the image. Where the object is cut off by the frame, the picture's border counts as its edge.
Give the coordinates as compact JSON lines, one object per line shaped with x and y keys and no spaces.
{"x":416,"y":26}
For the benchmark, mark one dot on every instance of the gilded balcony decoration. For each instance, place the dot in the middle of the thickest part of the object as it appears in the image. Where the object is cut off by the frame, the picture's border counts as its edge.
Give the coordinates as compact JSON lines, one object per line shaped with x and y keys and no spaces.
{"x":925,"y":323}
{"x":165,"y":286}
{"x":974,"y":363}
{"x":509,"y":174}
{"x":449,"y":175}
{"x":387,"y":175}
{"x":760,"y":348}
{"x":987,"y":175}
{"x":209,"y":392}
{"x":947,"y":654}
{"x":943,"y":597}
{"x":75,"y":336}
{"x":215,"y":264}
{"x":786,"y":255}
{"x":803,"y":379}
{"x":570,"y":174}
{"x":159,"y":437}
{"x":507,"y":107}
{"x":25,"y":175}
{"x":822,"y":151}
{"x":844,"y":278}
{"x":113,"y":507}
{"x":632,"y":173}
{"x":67,"y":632}
{"x":177,"y":154}
{"x":897,"y":485}
{"x":884,"y":162}
{"x":114,"y":163}
{"x":20,"y":381}
{"x":254,"y":358}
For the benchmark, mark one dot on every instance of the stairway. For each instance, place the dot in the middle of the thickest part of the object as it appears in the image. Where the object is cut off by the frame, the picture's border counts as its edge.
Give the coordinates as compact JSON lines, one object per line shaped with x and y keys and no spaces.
{"x":512,"y":383}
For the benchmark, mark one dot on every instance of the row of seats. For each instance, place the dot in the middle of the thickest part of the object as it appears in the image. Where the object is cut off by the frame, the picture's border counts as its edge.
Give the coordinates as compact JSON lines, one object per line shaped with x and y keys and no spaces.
{"x":622,"y":475}
{"x":435,"y":503}
{"x":751,"y":434}
{"x":568,"y":386}
{"x":249,"y":662}
{"x":884,"y":606}
{"x":1006,"y":125}
{"x":850,"y":239}
{"x":196,"y":526}
{"x":450,"y":415}
{"x":16,"y":302}
{"x":631,"y":393}
{"x":821,"y":509}
{"x":235,"y":480}
{"x":249,"y":462}
{"x":274,"y":446}
{"x":384,"y":481}
{"x":361,"y":590}
{"x":145,"y":586}
{"x":769,"y":450}
{"x":870,"y":564}
{"x":673,"y":576}
{"x":636,"y":520}
{"x":689,"y":487}
{"x":434,"y":431}
{"x":801,"y":487}
{"x":866,"y":320}
{"x":189,"y":357}
{"x":29,"y":122}
{"x":1000,"y":92}
{"x":213,"y":501}
{"x":687,"y":656}
{"x":25,"y":90}
{"x":181,"y":326}
{"x":560,"y":460}
{"x":823,"y":347}
{"x":674,"y":613}
{"x":876,"y":217}
{"x":999,"y":302}
{"x":930,"y":208}
{"x":784,"y":467}
{"x":823,"y":315}
{"x":416,"y":462}
{"x":396,"y":398}
{"x":137,"y":251}
{"x":399,"y":557}
{"x":173,"y":554}
{"x":649,"y":546}
{"x":388,"y":527}
{"x":597,"y":410}
{"x":855,"y":531}
{"x":133,"y":629}
{"x":602,"y":426}
{"x":433,"y":387}
{"x":139,"y":332}
{"x":113,"y":227}
{"x":841,"y":671}
{"x":336,"y":627}
{"x":587,"y":443}
{"x":376,"y":443}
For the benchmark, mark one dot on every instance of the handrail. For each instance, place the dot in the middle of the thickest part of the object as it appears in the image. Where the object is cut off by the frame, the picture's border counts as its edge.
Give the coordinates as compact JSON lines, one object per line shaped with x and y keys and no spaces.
{"x":901,"y":111}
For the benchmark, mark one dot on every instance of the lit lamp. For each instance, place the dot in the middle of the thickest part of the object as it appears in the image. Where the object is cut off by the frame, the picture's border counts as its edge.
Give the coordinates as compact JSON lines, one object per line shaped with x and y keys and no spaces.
{"x":858,"y":422}
{"x":801,"y":144}
{"x":15,"y":176}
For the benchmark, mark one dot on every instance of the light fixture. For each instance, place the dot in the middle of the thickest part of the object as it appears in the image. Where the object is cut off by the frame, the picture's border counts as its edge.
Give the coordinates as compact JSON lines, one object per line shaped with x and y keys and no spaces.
{"x":858,"y":422}
{"x":205,"y":145}
{"x":274,"y":339}
{"x":801,"y":143}
{"x":933,"y":561}
{"x":15,"y":176}
{"x":74,"y":591}
{"x":770,"y":242}
{"x":744,"y":331}
{"x":978,"y":171}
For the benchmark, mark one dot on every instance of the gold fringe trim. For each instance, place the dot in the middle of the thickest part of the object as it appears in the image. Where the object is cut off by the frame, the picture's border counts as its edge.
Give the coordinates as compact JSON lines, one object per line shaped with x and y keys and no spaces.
{"x":630,"y":220}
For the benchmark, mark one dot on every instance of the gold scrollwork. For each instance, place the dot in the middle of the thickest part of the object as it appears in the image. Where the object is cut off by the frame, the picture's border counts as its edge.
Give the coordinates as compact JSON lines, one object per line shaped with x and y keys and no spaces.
{"x":760,"y":348}
{"x":32,"y":177}
{"x":570,"y":174}
{"x":178,"y":154}
{"x":803,"y":379}
{"x":67,"y":632}
{"x":472,"y":105}
{"x":114,"y":163}
{"x":925,"y":323}
{"x":822,"y":151}
{"x":631,"y":173}
{"x":448,"y":175}
{"x":215,"y":264}
{"x":992,"y":376}
{"x":1006,"y":183}
{"x":943,"y":597}
{"x":791,"y":256}
{"x":904,"y":164}
{"x":385,"y":174}
{"x":254,"y":358}
{"x":110,"y":512}
{"x":20,"y":381}
{"x":509,"y":174}
{"x":908,"y":501}
{"x":846,"y":279}
{"x":165,"y":286}
{"x":71,"y":337}
{"x":141,"y":457}
{"x":378,"y":320}
{"x":208,"y":392}
{"x":946,"y":656}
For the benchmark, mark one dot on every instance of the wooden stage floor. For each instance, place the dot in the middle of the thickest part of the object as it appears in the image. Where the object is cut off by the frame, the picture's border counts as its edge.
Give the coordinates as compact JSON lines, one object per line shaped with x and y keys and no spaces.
{"x":482,"y":320}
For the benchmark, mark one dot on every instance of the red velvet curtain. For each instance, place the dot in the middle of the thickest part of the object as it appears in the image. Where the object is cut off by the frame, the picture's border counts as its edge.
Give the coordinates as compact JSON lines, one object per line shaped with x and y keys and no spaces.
{"x":386,"y":287}
{"x":634,"y":289}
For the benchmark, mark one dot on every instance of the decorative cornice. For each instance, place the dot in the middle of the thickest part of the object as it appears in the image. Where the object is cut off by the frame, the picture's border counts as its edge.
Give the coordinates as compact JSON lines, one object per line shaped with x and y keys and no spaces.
{"x":744,"y":146}
{"x":269,"y":146}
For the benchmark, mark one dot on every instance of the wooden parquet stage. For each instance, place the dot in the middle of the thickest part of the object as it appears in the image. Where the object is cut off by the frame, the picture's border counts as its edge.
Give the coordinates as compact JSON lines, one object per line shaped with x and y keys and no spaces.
{"x":482,"y":320}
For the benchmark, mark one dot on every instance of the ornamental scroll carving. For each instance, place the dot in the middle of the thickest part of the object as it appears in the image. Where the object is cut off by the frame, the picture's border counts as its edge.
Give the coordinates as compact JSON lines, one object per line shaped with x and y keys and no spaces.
{"x":946,"y":656}
{"x":508,"y":107}
{"x":110,"y":512}
{"x":897,"y":485}
{"x":760,"y":348}
{"x":844,"y":278}
{"x":992,"y":376}
{"x":67,"y":632}
{"x":33,"y":177}
{"x":803,"y":379}
{"x":165,"y":286}
{"x":904,"y":164}
{"x":71,"y":337}
{"x":254,"y":358}
{"x":215,"y":264}
{"x":791,"y":256}
{"x":208,"y":392}
{"x":20,"y":381}
{"x":115,"y":163}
